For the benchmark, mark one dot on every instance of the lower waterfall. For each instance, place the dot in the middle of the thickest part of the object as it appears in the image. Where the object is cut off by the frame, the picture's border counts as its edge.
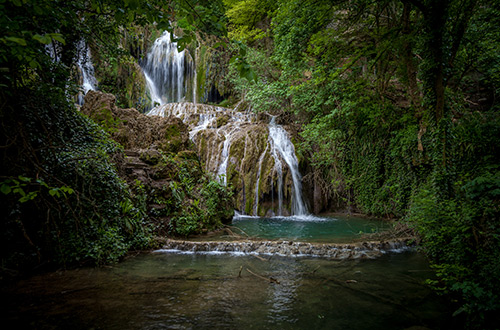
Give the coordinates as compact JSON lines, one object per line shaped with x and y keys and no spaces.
{"x":256,"y":158}
{"x":283,"y":145}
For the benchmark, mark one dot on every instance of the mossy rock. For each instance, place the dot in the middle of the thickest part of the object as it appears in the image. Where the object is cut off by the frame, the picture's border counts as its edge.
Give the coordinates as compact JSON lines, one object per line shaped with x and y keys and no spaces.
{"x":150,"y":156}
{"x":163,"y":170}
{"x":187,"y":155}
{"x":222,"y":120}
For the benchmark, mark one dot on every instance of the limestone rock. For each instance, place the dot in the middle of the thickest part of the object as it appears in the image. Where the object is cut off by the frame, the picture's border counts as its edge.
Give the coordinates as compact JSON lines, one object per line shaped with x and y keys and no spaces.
{"x":135,"y":130}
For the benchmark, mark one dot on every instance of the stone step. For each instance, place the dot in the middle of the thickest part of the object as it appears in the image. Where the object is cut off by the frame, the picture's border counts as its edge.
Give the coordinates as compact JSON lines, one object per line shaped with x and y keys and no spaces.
{"x":131,"y":153}
{"x":136,"y":165}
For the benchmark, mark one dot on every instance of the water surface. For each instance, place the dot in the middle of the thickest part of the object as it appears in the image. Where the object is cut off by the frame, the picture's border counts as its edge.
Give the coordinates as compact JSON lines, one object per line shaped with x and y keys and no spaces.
{"x":204,"y":291}
{"x":338,"y":229}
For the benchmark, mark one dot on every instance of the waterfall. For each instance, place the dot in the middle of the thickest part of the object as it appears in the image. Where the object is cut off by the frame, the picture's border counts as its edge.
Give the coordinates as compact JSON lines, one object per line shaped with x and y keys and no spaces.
{"x":222,"y":172}
{"x":168,"y":72}
{"x":216,"y":131}
{"x":279,"y":172}
{"x":195,"y":78}
{"x":257,"y":156}
{"x":282,"y":145}
{"x":234,"y":143}
{"x":84,"y":62}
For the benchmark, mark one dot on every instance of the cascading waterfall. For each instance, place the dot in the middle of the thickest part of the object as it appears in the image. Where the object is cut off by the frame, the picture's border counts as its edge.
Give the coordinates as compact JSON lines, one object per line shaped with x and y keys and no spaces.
{"x":258,"y":158}
{"x":281,"y":144}
{"x":168,"y":72}
{"x":195,"y":78}
{"x":222,"y":172}
{"x":84,"y":62}
{"x":279,"y":171}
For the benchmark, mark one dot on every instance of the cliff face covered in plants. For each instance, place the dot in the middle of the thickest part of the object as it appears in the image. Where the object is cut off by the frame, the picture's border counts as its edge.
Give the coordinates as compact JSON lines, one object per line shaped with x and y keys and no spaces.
{"x":397,"y":103}
{"x":163,"y":170}
{"x":252,"y":155}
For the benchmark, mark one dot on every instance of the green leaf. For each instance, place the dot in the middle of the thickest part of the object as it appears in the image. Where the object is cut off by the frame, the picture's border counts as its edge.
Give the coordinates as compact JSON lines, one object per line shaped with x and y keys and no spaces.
{"x":5,"y":188}
{"x":19,"y":191}
{"x":28,"y":197}
{"x":19,"y":41}
{"x":220,"y":44}
{"x":67,"y":190}
{"x":24,"y":179}
{"x":57,"y":37}
{"x":54,"y":192}
{"x":45,"y":39}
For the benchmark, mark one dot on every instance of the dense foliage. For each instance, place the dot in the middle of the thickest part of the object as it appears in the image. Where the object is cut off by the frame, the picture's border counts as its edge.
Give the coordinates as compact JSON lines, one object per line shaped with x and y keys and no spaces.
{"x":198,"y":203}
{"x":62,"y":200}
{"x":399,"y":117}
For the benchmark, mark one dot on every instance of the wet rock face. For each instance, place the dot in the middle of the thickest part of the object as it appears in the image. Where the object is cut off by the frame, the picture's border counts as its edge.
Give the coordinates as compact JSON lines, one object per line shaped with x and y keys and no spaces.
{"x":365,"y":250}
{"x":236,"y":146}
{"x":133,"y":129}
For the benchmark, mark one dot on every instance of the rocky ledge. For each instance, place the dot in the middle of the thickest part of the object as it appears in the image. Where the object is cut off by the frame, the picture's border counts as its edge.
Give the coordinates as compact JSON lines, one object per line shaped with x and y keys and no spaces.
{"x":364,"y":250}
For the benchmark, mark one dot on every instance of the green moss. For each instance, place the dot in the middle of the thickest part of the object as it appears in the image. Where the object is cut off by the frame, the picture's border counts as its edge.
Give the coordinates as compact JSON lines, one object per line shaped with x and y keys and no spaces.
{"x":173,"y":139}
{"x":222,"y":120}
{"x":172,"y":131}
{"x":249,"y":204}
{"x":151,"y":157}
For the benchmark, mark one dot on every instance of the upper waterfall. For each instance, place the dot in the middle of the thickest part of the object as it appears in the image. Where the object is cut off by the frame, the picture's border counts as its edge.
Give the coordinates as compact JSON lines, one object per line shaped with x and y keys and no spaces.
{"x":168,"y":71}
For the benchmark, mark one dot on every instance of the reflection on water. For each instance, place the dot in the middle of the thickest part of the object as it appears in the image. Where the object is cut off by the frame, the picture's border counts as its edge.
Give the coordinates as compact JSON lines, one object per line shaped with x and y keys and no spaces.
{"x":339,"y":229}
{"x":182,"y":291}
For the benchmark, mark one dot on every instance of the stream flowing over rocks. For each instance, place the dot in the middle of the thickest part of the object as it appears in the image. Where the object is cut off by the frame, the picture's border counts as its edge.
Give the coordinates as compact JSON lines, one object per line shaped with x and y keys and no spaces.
{"x":250,"y":153}
{"x":364,"y":250}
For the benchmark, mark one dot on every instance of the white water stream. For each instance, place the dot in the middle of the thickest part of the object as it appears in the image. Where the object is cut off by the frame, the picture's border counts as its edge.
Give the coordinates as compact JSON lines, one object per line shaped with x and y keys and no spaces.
{"x":84,"y":62}
{"x":167,"y":71}
{"x":282,"y":144}
{"x":217,"y":143}
{"x":216,"y":130}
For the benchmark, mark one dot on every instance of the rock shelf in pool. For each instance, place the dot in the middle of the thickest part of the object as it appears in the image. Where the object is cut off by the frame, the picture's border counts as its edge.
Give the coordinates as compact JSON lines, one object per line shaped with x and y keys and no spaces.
{"x":362,"y":250}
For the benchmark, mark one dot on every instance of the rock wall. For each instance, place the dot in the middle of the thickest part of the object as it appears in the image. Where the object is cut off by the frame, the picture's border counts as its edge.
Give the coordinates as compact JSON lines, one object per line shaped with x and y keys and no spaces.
{"x":134,"y":130}
{"x":161,"y":166}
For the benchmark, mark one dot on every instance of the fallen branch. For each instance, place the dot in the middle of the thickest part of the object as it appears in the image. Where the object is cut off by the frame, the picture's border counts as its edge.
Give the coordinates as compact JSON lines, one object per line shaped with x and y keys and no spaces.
{"x":233,"y":233}
{"x":260,"y":258}
{"x":270,"y":279}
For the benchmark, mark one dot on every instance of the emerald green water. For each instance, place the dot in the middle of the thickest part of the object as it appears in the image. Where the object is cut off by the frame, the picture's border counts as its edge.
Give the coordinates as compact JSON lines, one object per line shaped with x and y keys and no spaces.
{"x":338,"y":229}
{"x":204,"y":291}
{"x":212,"y":290}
